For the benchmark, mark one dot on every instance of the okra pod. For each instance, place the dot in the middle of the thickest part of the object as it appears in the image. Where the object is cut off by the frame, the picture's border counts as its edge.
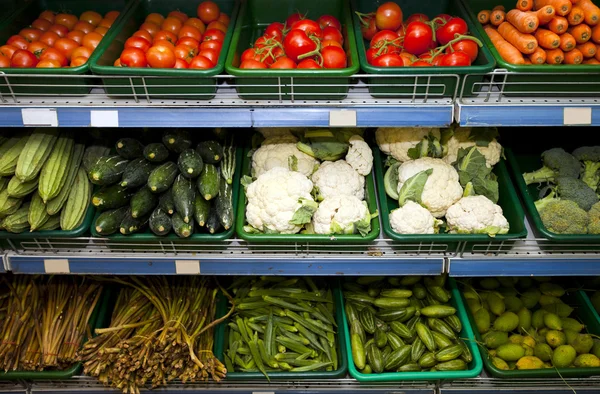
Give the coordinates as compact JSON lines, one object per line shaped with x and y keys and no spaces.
{"x":252,"y":305}
{"x":284,"y":304}
{"x":311,"y":284}
{"x":296,"y":337}
{"x":265,"y":357}
{"x":312,"y":338}
{"x":326,"y":348}
{"x":283,"y":356}
{"x":228,"y":363}
{"x":287,"y":327}
{"x":287,"y":283}
{"x":295,"y":346}
{"x":311,"y":367}
{"x":276,"y":319}
{"x":242,"y":329}
{"x":253,"y":345}
{"x":298,"y":319}
{"x":327,"y":313}
{"x":256,"y":327}
{"x":269,"y":335}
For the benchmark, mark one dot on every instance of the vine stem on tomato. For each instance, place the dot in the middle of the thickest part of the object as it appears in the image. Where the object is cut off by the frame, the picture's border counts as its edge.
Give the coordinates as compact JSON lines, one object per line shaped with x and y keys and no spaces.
{"x":382,"y":45}
{"x":269,"y":50}
{"x":363,"y":18}
{"x":457,"y":38}
{"x":316,"y":52}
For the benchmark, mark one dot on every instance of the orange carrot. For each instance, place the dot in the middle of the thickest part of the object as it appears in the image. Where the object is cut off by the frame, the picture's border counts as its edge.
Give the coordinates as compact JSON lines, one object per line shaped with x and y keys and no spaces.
{"x":582,"y":33}
{"x":499,"y":7}
{"x":562,"y":7}
{"x":558,"y":25}
{"x":546,"y":39}
{"x":567,"y":42}
{"x":484,"y":16}
{"x":509,"y":53}
{"x":591,"y":61}
{"x":545,"y":14}
{"x":574,"y":2}
{"x":538,"y":57}
{"x":591,"y":12}
{"x":573,"y":57}
{"x":525,"y":43}
{"x":524,"y":5}
{"x":597,"y":57}
{"x":576,"y":16}
{"x":497,"y":17}
{"x":588,"y":49}
{"x":555,"y":56}
{"x":525,"y":22}
{"x":596,"y":34}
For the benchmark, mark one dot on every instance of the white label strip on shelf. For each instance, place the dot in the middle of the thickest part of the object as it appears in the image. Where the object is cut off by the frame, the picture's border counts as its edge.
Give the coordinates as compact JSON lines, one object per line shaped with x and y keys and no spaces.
{"x":56,"y":266}
{"x":104,"y":118}
{"x":577,"y":116}
{"x":40,"y":117}
{"x":345,"y":118}
{"x":187,"y":267}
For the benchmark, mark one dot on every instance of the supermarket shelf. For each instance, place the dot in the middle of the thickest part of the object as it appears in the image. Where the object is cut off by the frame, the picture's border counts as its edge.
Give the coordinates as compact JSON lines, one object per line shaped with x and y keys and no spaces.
{"x":486,"y":385}
{"x":2,"y":263}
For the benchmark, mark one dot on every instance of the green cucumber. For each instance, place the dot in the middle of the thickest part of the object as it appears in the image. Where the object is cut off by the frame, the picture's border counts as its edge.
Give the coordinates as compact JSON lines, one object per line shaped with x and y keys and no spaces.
{"x":130,"y":225}
{"x":136,"y":173}
{"x":166,"y":203}
{"x":190,"y":163}
{"x":160,"y":222}
{"x":184,"y":193}
{"x":177,"y":140}
{"x":92,"y":154}
{"x":162,"y":177}
{"x":129,"y":148}
{"x":224,"y":205}
{"x":107,"y":170}
{"x":181,"y":228}
{"x":201,"y":210}
{"x":211,"y":151}
{"x":142,"y":203}
{"x":111,"y":197}
{"x":213,"y":224}
{"x":156,"y":152}
{"x":209,"y":182}
{"x":109,"y":222}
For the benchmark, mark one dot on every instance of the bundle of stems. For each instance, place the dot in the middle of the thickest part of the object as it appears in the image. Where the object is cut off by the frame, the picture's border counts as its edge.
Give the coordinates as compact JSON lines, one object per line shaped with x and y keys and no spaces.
{"x":45,"y":320}
{"x":161,"y":330}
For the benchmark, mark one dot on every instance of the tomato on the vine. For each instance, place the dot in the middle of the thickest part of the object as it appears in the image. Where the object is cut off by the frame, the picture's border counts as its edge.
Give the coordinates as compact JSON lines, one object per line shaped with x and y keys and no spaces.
{"x":332,"y":34}
{"x":23,"y":58}
{"x":252,"y":64}
{"x":447,"y":32}
{"x":418,"y":38}
{"x":309,"y":64}
{"x":330,"y":43}
{"x":283,"y":63}
{"x":388,"y":60}
{"x":297,"y":43}
{"x":334,"y":57}
{"x":421,"y":63}
{"x":388,"y":16}
{"x":467,"y":46}
{"x":456,"y":59}
{"x":368,"y":29}
{"x":384,"y":37}
{"x":417,"y":17}
{"x":401,"y":30}
{"x":329,"y":21}
{"x":133,"y":57}
{"x":309,"y":26}
{"x":408,"y":58}
{"x":293,"y":18}
{"x":275,"y":30}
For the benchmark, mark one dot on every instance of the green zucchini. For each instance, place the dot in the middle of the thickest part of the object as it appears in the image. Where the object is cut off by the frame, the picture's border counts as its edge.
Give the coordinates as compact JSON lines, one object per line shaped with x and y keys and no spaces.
{"x":111,"y":197}
{"x":107,"y":170}
{"x":190,"y":163}
{"x":177,"y":140}
{"x":54,"y":206}
{"x":8,"y":204}
{"x":156,"y":152}
{"x":54,"y":172}
{"x":201,"y":210}
{"x":109,"y":222}
{"x":213,"y":224}
{"x":129,"y":148}
{"x":18,"y":189}
{"x":75,"y":209}
{"x":184,"y":193}
{"x":37,"y":215}
{"x":211,"y":151}
{"x":130,"y":225}
{"x":166,"y":202}
{"x":11,"y":150}
{"x":209,"y":182}
{"x":143,"y":202}
{"x":160,"y":222}
{"x":162,"y":177}
{"x":136,"y":173}
{"x":92,"y":154}
{"x":35,"y":153}
{"x":181,"y":228}
{"x":17,"y":222}
{"x":224,"y":205}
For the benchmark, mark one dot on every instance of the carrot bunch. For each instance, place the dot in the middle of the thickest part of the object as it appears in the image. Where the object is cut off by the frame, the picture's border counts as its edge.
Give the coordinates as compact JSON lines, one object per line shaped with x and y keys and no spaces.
{"x":545,"y":31}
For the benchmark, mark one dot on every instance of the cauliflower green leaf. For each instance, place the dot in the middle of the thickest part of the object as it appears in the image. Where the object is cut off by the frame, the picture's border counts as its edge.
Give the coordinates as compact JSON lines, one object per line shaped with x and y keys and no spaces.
{"x":304,"y":214}
{"x":428,"y":147}
{"x":412,"y":189}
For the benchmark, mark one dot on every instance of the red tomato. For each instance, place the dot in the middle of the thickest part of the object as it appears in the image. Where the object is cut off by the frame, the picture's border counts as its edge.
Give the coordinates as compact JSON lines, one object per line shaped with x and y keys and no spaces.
{"x":389,"y":60}
{"x":48,"y":64}
{"x":368,"y":29}
{"x":150,"y":27}
{"x":164,"y":43}
{"x":309,"y":64}
{"x":4,"y":62}
{"x":172,"y":24}
{"x":197,"y":23}
{"x":213,"y":34}
{"x":217,"y":25}
{"x":190,"y":42}
{"x":417,"y":17}
{"x":61,"y":30}
{"x":264,"y":41}
{"x":133,"y":57}
{"x":421,"y":63}
{"x":293,"y":19}
{"x":401,"y":30}
{"x":283,"y":63}
{"x":56,"y":55}
{"x":190,"y":31}
{"x":208,"y":11}
{"x":84,"y":27}
{"x":91,"y":17}
{"x":75,"y":35}
{"x":160,"y":57}
{"x":212,"y":44}
{"x":185,"y":52}
{"x":333,"y":34}
{"x":447,"y":32}
{"x":224,"y":19}
{"x":80,"y":61}
{"x":91,"y":40}
{"x":408,"y":58}
{"x":371,"y":54}
{"x":179,"y":15}
{"x":23,"y":59}
{"x":155,"y":18}
{"x":467,"y":46}
{"x":143,"y":34}
{"x":428,"y":57}
{"x":18,"y":41}
{"x":442,"y":18}
{"x":275,"y":30}
{"x":210,"y":54}
{"x":117,"y":63}
{"x":201,"y":62}
{"x":383,"y":37}
{"x":179,"y":63}
{"x":37,"y":48}
{"x":456,"y":59}
{"x":8,"y":50}
{"x":66,"y":46}
{"x":49,"y":38}
{"x":329,"y":20}
{"x":418,"y":38}
{"x":48,"y":15}
{"x":166,"y":36}
{"x":67,"y":20}
{"x":334,"y":57}
{"x":31,"y":34}
{"x":297,"y":43}
{"x":388,"y":16}
{"x":250,"y":54}
{"x":252,"y":64}
{"x":106,"y":23}
{"x":112,"y":15}
{"x":137,"y":42}
{"x":308,"y":26}
{"x":101,"y":30}
{"x":330,"y":43}
{"x":41,"y":24}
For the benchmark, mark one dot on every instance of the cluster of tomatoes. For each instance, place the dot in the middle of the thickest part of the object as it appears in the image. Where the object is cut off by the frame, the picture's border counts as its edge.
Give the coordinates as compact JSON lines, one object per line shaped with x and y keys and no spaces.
{"x":418,"y":41}
{"x":56,"y":40}
{"x":177,"y":41}
{"x":299,"y":43}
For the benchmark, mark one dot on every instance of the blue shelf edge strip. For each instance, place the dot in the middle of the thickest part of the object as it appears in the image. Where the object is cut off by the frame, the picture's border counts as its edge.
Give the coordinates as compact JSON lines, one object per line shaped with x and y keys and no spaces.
{"x":524,"y":267}
{"x":524,"y":115}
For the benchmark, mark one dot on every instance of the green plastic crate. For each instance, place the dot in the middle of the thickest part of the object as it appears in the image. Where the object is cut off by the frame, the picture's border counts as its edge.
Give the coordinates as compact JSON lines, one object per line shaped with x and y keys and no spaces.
{"x":429,"y":82}
{"x":322,"y":84}
{"x":222,"y":332}
{"x":370,"y":197}
{"x":586,"y":300}
{"x":100,"y":318}
{"x":205,"y":237}
{"x":161,"y":83}
{"x":54,"y":85}
{"x":509,"y":201}
{"x":475,"y":366}
{"x":575,"y":78}
{"x":583,"y":312}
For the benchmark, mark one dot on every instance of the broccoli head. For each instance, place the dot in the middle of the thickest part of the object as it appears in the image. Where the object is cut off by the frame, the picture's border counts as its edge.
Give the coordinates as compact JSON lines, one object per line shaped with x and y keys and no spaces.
{"x":557,"y":162}
{"x":576,"y":190}
{"x":564,"y":217}
{"x":594,"y":216}
{"x":590,"y":157}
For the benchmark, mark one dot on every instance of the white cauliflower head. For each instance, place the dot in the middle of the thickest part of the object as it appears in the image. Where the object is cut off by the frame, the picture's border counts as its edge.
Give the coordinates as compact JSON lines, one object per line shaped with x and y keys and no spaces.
{"x":476,"y":215}
{"x":281,"y":151}
{"x":359,"y":155}
{"x":461,"y":139}
{"x":412,"y":218}
{"x":334,"y":178}
{"x":342,"y":215}
{"x":273,"y":199}
{"x":396,"y":141}
{"x":442,"y":188}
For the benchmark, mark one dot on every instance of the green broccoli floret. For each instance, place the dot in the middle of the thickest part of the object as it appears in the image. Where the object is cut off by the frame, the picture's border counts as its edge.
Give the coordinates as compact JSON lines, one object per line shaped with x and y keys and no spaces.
{"x":557,"y":162}
{"x":564,"y":217}
{"x":576,"y":190}
{"x":594,"y":216}
{"x":590,"y":157}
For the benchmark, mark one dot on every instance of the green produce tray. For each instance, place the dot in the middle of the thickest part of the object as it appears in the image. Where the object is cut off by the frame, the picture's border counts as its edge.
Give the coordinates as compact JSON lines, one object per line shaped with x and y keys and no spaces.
{"x":100,"y":318}
{"x":54,"y":85}
{"x":509,"y":201}
{"x":574,"y":78}
{"x":370,"y":197}
{"x":175,"y":83}
{"x":429,"y":82}
{"x":149,"y":237}
{"x":526,"y":162}
{"x":583,"y":312}
{"x":475,"y":366}
{"x":222,"y":333}
{"x":322,"y":84}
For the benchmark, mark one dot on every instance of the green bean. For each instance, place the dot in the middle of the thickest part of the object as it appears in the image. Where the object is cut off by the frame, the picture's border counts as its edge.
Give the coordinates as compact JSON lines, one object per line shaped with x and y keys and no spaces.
{"x":295,"y":346}
{"x":284,"y":304}
{"x":311,"y":367}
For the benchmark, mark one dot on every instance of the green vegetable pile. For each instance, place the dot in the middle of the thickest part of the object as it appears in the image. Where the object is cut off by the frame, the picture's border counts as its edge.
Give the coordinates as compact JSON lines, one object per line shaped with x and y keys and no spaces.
{"x":281,"y":324}
{"x":526,"y":324}
{"x":404,"y":325}
{"x":167,"y":186}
